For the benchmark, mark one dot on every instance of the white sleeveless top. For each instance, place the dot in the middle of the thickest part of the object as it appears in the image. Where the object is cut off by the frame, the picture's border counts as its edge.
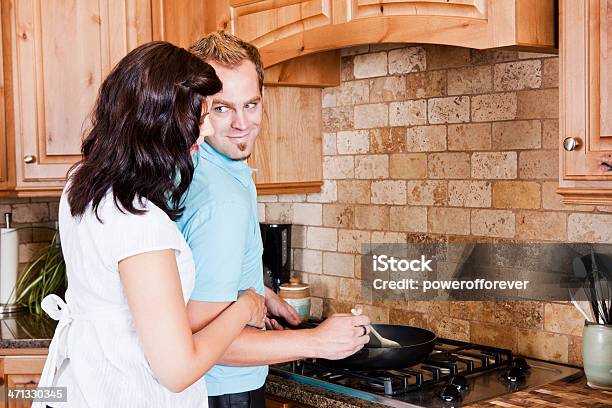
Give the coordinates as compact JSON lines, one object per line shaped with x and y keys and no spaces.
{"x":95,"y":343}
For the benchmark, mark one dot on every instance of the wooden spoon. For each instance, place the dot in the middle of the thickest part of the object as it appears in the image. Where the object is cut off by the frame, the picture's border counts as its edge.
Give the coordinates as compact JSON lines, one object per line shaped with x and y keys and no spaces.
{"x":379,"y":340}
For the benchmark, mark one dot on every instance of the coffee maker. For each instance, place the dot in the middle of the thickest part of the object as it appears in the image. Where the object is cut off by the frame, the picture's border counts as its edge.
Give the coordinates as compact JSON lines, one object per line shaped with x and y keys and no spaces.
{"x":276,"y":254}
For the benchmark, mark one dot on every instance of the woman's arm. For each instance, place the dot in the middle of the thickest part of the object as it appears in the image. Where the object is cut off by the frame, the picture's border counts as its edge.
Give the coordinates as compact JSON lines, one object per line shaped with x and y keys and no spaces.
{"x":177,"y":357}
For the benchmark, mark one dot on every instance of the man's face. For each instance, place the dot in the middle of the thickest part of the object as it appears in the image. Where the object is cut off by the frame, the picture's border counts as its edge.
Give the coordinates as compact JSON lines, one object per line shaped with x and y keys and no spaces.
{"x":236,"y":111}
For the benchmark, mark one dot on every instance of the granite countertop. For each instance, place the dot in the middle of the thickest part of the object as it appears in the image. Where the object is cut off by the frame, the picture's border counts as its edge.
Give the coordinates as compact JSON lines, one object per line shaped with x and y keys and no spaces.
{"x":26,"y":330}
{"x":559,"y":394}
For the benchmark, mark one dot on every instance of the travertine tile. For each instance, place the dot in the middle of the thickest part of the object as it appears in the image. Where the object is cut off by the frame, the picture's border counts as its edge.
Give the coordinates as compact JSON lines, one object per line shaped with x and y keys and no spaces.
{"x":347,"y":68}
{"x":349,"y":290}
{"x":388,"y":192}
{"x":550,"y":134}
{"x":543,"y":345}
{"x":388,"y":237}
{"x":444,"y":57}
{"x":490,"y":107}
{"x":563,"y":319}
{"x":353,"y":141}
{"x":469,"y":136}
{"x":387,"y":89}
{"x":386,"y":46}
{"x":388,"y":140}
{"x":494,"y":165}
{"x":329,"y":144}
{"x":408,"y":113}
{"x":352,"y":240}
{"x":494,"y":335}
{"x":329,"y":97}
{"x":307,"y":213}
{"x":454,"y":109}
{"x":469,"y":80}
{"x":376,"y":314}
{"x":553,"y":201}
{"x":279,"y":212}
{"x":448,"y":165}
{"x":373,"y":166}
{"x":338,"y":264}
{"x":575,"y":351}
{"x":261,"y":212}
{"x":316,"y":308}
{"x":469,"y":193}
{"x":516,"y":194}
{"x":590,"y":228}
{"x":338,"y":167}
{"x":291,"y":198}
{"x":372,"y":217}
{"x":450,"y":328}
{"x":298,"y":236}
{"x":31,"y":212}
{"x":335,"y":119}
{"x":454,"y":221}
{"x":517,"y":134}
{"x":307,"y":260}
{"x":493,"y":223}
{"x":538,"y":104}
{"x":426,"y":138}
{"x":408,"y":166}
{"x":371,"y":116}
{"x":29,"y":250}
{"x":540,"y":225}
{"x":405,"y":60}
{"x":403,"y":317}
{"x":354,"y":191}
{"x":328,"y":194}
{"x":331,"y":306}
{"x":370,"y":65}
{"x":425,"y":84}
{"x":539,"y":164}
{"x":522,"y":314}
{"x":353,"y":92}
{"x":322,"y":238}
{"x":492,"y":55}
{"x":358,"y":49}
{"x":472,"y":310}
{"x":426,"y":192}
{"x":550,"y":77}
{"x":516,"y":75}
{"x":324,"y":286}
{"x":338,"y":215}
{"x":409,"y":219}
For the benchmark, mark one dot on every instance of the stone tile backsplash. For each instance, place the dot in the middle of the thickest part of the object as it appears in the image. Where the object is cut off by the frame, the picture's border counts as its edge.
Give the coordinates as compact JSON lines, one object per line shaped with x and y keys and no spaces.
{"x":434,"y":143}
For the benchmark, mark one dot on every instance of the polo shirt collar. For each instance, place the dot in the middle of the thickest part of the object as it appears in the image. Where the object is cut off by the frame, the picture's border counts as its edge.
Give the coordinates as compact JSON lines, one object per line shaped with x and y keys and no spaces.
{"x":239,"y":169}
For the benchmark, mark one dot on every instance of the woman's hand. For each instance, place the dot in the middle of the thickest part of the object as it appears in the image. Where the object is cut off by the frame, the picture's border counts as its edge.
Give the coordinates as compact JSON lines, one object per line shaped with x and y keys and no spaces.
{"x":256,"y":305}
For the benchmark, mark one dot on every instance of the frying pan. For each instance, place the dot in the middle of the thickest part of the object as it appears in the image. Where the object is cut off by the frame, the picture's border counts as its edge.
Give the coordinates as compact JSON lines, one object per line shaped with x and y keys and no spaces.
{"x":416,"y":344}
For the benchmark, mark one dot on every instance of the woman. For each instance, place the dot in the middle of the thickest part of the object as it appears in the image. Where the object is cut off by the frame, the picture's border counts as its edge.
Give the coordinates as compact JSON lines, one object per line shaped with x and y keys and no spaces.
{"x":123,"y":338}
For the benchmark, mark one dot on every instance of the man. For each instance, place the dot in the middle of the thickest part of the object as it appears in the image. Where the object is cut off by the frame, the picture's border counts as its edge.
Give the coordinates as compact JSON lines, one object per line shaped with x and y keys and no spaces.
{"x":221,"y":225}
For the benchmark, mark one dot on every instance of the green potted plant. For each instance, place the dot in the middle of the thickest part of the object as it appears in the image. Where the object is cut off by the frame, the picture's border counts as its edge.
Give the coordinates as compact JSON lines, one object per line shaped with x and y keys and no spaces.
{"x":44,"y":275}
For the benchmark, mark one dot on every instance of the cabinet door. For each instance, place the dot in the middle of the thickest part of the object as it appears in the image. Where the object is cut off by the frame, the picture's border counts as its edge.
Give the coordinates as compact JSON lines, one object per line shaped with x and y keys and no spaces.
{"x":288,"y":154}
{"x":6,"y":143}
{"x":264,"y":22}
{"x":61,"y":51}
{"x":21,"y":381}
{"x":586,"y":97}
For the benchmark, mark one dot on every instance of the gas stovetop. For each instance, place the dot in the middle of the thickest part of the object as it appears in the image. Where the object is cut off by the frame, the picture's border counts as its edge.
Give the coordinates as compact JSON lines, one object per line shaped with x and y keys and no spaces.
{"x":456,"y":373}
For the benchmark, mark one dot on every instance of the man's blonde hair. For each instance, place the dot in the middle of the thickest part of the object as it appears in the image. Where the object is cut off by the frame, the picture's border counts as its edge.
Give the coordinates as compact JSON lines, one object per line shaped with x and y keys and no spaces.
{"x":229,"y":50}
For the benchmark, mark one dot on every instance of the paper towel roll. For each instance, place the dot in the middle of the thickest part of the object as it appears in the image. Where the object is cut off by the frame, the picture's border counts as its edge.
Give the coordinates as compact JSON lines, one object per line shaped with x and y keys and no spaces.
{"x":9,"y":260}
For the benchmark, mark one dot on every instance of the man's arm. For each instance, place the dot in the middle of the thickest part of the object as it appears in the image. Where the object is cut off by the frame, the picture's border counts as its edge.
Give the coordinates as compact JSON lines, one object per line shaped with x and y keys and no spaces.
{"x":335,"y":338}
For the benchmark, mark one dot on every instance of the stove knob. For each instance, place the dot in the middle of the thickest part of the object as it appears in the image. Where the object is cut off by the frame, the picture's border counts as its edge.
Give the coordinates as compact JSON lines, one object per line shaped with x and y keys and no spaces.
{"x":450,"y":393}
{"x":459,"y":382}
{"x":514,"y":374}
{"x":520,"y":363}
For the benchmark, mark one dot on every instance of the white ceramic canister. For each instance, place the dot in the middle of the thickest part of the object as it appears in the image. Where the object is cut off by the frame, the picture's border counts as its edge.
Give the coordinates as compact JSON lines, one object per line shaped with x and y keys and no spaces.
{"x":297,"y":295}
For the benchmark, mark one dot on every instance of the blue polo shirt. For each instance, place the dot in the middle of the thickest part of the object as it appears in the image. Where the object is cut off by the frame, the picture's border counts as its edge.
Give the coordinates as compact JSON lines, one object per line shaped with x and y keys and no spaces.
{"x":221,"y":225}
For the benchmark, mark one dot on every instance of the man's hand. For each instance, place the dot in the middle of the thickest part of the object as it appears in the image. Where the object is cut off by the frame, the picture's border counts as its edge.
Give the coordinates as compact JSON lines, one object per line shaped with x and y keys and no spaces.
{"x":279,"y":308}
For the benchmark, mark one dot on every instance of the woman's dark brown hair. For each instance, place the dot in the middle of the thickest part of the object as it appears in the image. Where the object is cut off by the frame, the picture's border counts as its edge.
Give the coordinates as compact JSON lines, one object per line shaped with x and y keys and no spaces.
{"x":144,"y":123}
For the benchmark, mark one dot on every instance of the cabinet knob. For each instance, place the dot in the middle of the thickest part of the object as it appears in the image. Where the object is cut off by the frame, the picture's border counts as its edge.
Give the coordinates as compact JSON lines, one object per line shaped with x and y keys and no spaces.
{"x":29,"y":158}
{"x":571,"y":143}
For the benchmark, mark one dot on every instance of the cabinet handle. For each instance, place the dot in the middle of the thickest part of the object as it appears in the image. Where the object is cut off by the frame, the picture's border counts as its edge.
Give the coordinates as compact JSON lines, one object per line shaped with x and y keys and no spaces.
{"x":607,"y":166}
{"x":29,"y":158}
{"x":571,"y":143}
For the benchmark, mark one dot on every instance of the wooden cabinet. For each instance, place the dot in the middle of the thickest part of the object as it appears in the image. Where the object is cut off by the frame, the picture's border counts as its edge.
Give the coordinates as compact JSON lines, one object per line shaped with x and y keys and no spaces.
{"x":55,"y":58}
{"x":286,"y":29}
{"x":20,"y":369}
{"x":585,"y":102}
